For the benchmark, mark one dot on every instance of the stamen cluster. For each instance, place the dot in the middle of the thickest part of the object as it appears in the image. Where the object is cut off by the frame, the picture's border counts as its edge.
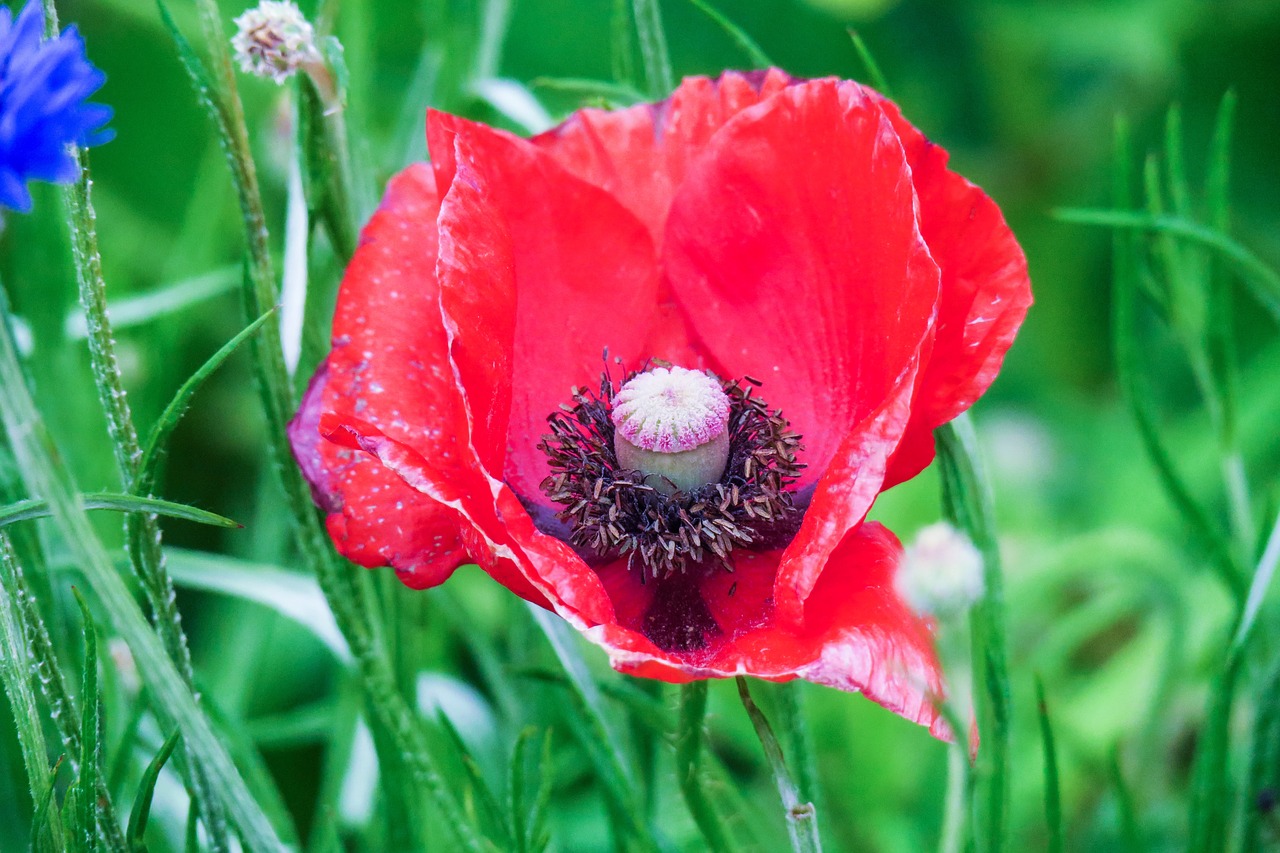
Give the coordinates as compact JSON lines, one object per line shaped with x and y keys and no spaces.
{"x":614,"y":512}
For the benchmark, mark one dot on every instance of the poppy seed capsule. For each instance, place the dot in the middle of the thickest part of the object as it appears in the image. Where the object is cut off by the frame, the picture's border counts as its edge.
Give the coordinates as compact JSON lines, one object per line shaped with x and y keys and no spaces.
{"x":672,"y":423}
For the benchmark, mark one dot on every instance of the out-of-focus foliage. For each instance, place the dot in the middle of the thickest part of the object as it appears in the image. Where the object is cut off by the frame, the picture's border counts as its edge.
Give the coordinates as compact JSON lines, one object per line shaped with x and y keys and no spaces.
{"x":1110,"y":600}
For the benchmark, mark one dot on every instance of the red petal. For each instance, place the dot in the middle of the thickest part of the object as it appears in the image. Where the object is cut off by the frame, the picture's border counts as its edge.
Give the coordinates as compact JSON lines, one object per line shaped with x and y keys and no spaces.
{"x":985,"y":291}
{"x":793,"y":246}
{"x":540,"y":272}
{"x":856,"y":635}
{"x":389,"y":363}
{"x":374,"y":517}
{"x":640,"y":155}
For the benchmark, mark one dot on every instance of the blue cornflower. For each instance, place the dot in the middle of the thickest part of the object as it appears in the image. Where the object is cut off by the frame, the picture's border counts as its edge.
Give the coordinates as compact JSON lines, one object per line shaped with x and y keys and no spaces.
{"x":44,"y":86}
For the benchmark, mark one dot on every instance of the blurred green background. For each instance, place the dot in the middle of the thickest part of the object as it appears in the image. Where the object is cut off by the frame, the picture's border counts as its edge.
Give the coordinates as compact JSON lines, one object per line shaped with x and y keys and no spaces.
{"x":1109,"y":602}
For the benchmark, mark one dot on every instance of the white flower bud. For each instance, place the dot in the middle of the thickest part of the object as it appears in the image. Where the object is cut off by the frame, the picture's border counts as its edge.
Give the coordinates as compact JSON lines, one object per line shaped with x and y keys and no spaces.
{"x":274,"y":40}
{"x":941,"y":572}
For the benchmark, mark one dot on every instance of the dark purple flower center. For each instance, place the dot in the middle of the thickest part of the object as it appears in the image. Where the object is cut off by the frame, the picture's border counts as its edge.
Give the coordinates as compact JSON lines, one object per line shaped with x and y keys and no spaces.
{"x":664,"y":528}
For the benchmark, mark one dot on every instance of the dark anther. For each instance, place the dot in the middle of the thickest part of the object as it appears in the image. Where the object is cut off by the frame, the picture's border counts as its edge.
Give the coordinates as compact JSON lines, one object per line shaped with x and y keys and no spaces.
{"x":612,"y":514}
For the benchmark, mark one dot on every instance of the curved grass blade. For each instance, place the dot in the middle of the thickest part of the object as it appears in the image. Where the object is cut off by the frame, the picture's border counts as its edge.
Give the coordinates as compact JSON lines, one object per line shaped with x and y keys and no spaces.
{"x":146,"y":791}
{"x":1262,"y":281}
{"x":759,"y":59}
{"x":166,"y":300}
{"x":34,"y":508}
{"x":610,"y":94}
{"x":168,"y":420}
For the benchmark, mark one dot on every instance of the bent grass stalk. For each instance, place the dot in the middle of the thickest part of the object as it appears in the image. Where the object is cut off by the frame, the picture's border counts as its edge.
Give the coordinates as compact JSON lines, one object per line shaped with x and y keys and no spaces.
{"x":802,"y":819}
{"x":345,"y":591}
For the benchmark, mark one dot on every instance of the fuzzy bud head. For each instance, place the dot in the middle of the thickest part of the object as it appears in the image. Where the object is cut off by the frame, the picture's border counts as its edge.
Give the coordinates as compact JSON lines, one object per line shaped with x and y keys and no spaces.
{"x":673,"y":423}
{"x":941,"y":572}
{"x":274,"y":40}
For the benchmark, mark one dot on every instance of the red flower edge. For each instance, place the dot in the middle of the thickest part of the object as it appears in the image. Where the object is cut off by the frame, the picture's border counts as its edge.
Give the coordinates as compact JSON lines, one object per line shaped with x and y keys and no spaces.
{"x":799,"y":231}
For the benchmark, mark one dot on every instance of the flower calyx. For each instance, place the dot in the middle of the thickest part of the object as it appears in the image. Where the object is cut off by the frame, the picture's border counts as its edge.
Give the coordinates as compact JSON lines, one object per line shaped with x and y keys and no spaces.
{"x":729,"y":463}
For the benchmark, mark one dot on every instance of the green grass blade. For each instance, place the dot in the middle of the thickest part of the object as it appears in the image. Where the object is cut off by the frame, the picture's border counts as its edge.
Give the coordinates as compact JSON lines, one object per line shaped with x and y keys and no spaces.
{"x":33,"y":448}
{"x":146,"y":791}
{"x":759,"y":59}
{"x":1264,"y":765}
{"x":33,"y":508}
{"x":490,"y":808}
{"x":170,"y":299}
{"x":158,"y":439}
{"x":16,"y":666}
{"x":1218,"y":182}
{"x":1262,"y":578}
{"x":693,"y":711}
{"x":1128,"y":813}
{"x":292,"y":595}
{"x":878,"y":81}
{"x":520,"y":828}
{"x":610,"y":95}
{"x":1052,"y":794}
{"x":599,"y":738}
{"x":622,"y":57}
{"x":653,"y":47}
{"x":1210,"y":792}
{"x":86,"y":786}
{"x":46,"y":823}
{"x":1262,"y":281}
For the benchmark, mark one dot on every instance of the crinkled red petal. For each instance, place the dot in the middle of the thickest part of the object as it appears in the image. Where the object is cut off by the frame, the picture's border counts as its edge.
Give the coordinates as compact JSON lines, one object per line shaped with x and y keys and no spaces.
{"x":856,"y":635}
{"x":374,"y":518}
{"x":540,"y":273}
{"x":388,"y":362}
{"x":985,"y":293}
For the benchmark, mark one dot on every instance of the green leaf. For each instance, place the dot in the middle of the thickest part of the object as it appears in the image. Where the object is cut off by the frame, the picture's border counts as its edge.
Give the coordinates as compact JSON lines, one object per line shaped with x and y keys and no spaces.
{"x":34,"y":508}
{"x":141,"y":813}
{"x":292,"y":595}
{"x":759,"y":59}
{"x":170,"y":299}
{"x":1052,"y":796}
{"x":158,"y":439}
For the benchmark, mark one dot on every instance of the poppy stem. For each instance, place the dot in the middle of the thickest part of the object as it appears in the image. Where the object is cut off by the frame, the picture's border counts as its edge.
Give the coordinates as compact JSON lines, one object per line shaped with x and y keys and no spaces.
{"x":693,"y":711}
{"x":802,"y":818}
{"x":966,"y":499}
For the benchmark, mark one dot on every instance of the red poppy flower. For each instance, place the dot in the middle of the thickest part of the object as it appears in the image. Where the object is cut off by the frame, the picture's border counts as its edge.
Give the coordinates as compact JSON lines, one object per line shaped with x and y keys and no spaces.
{"x":797,"y":241}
